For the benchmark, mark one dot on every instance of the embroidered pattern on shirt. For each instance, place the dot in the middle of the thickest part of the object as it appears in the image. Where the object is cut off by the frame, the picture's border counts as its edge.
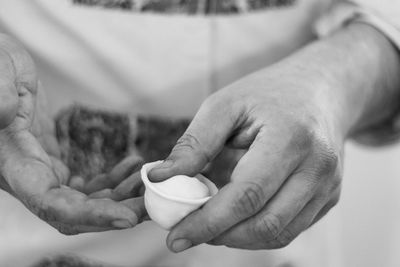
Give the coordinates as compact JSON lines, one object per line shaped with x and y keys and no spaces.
{"x":189,"y":6}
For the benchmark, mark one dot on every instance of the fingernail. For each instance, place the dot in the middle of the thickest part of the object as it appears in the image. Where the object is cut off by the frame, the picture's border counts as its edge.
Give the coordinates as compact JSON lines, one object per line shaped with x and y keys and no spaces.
{"x":181,"y":245}
{"x":164,"y":165}
{"x":122,"y":224}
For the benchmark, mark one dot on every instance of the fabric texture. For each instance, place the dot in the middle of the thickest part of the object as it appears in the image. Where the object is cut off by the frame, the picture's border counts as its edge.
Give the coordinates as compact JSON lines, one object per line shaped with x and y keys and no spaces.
{"x":151,"y":64}
{"x":188,"y":6}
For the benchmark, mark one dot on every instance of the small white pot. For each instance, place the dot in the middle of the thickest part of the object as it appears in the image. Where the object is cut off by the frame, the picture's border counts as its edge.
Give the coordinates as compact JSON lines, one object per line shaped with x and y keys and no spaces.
{"x":168,"y":210}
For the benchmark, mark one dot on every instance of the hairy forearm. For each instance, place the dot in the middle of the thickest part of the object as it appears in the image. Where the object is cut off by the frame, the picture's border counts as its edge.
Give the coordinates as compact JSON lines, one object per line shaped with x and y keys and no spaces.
{"x":362,"y":69}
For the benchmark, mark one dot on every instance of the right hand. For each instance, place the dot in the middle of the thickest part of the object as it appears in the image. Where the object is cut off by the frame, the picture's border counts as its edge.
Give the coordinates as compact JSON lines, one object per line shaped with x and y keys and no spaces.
{"x":30,"y":168}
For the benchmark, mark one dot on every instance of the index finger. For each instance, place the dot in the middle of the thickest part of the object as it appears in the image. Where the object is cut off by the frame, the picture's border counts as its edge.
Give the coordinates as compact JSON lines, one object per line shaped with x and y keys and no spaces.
{"x":202,"y":141}
{"x":256,"y":178}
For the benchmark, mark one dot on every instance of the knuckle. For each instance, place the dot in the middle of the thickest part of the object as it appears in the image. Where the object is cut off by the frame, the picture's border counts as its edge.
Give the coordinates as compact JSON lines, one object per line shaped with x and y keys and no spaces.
{"x":249,"y":200}
{"x":211,"y":101}
{"x":47,"y":215}
{"x":227,"y":103}
{"x":51,"y":219}
{"x":65,"y":229}
{"x":105,"y":193}
{"x":309,"y":138}
{"x":327,"y":159}
{"x":303,"y":136}
{"x":336,"y":183}
{"x":211,"y":229}
{"x":268,"y":228}
{"x":219,"y":99}
{"x":334,"y":200}
{"x":189,"y":141}
{"x":44,"y":215}
{"x":321,"y":197}
{"x":282,"y":240}
{"x":42,"y":209}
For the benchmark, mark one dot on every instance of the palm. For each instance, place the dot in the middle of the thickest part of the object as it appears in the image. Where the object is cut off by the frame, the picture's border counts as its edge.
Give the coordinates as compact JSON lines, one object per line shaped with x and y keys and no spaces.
{"x":29,"y":159}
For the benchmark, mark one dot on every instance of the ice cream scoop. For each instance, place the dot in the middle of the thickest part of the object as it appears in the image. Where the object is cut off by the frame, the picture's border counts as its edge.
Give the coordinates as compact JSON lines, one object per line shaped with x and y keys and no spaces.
{"x":168,"y":202}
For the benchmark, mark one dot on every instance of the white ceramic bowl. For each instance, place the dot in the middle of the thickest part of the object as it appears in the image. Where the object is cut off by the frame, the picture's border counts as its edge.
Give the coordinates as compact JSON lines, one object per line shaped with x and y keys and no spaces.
{"x":168,"y":210}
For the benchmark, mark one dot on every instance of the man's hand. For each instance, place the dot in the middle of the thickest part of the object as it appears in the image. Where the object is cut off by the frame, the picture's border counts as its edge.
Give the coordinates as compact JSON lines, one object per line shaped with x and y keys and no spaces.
{"x":29,"y":156}
{"x":293,"y":119}
{"x":289,"y":177}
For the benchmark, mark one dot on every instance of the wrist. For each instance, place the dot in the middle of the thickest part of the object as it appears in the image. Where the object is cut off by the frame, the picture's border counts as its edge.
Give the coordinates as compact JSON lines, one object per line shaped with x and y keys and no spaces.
{"x":359,"y":69}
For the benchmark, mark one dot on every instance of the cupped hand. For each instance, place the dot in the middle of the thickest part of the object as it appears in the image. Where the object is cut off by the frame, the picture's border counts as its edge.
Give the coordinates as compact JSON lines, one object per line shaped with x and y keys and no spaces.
{"x":29,"y":156}
{"x":288,"y":178}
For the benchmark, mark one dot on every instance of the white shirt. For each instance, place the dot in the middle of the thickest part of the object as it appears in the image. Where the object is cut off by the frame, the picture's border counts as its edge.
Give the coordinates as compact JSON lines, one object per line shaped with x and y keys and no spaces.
{"x":152,"y":64}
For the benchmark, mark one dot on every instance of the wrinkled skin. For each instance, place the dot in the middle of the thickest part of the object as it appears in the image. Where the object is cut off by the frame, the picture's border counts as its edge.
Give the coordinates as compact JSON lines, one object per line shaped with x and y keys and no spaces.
{"x":29,"y":157}
{"x":292,"y":119}
{"x":289,"y":176}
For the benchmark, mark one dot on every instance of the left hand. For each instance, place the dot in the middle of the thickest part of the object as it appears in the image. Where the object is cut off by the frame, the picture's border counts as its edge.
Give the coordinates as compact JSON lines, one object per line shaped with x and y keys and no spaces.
{"x":30,"y":168}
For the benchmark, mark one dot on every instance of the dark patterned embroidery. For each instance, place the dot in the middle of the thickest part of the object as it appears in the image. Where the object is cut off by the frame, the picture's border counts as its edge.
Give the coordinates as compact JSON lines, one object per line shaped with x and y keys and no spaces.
{"x":189,"y":6}
{"x":260,"y":4}
{"x":123,"y":4}
{"x":93,"y":141}
{"x":170,"y":6}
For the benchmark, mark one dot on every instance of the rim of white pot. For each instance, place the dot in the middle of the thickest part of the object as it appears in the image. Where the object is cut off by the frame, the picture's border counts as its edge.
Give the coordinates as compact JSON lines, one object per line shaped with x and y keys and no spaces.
{"x":149,"y":185}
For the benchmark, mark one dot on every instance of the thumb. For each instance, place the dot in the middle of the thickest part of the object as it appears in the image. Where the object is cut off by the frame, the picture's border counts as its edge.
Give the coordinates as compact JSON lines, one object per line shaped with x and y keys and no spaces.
{"x":8,"y":91}
{"x":202,"y":141}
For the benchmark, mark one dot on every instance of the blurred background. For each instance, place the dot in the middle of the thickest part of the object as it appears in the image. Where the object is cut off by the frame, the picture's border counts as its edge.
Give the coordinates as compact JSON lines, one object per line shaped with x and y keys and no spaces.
{"x":368,"y":218}
{"x":157,"y":65}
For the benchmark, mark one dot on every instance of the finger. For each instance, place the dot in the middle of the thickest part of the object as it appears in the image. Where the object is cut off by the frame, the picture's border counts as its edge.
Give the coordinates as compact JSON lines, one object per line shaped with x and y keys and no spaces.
{"x":18,"y":65}
{"x":129,"y":188}
{"x":77,"y":183}
{"x":61,"y":171}
{"x":81,"y":213}
{"x":254,"y":181}
{"x":120,"y":172}
{"x":125,"y":168}
{"x":99,"y":182}
{"x":137,"y":206}
{"x":266,"y":225}
{"x":8,"y":91}
{"x":105,"y":193}
{"x":27,"y":86}
{"x":34,"y":183}
{"x":26,"y":108}
{"x":299,"y":224}
{"x":27,"y":168}
{"x":68,"y":229}
{"x":23,"y":65}
{"x":202,"y":141}
{"x":331,"y":203}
